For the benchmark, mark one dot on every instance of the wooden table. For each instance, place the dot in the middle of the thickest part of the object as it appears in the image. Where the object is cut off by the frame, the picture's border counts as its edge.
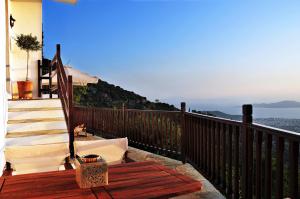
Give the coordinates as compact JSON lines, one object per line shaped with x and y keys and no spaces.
{"x":130,"y":180}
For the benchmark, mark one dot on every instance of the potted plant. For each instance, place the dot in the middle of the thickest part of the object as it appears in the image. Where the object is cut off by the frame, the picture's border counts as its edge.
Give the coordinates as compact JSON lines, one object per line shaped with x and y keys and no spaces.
{"x":27,"y":43}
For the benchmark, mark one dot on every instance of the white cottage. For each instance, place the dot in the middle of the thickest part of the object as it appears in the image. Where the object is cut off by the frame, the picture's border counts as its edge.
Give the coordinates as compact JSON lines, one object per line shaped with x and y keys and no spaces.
{"x":25,"y":123}
{"x":23,"y":17}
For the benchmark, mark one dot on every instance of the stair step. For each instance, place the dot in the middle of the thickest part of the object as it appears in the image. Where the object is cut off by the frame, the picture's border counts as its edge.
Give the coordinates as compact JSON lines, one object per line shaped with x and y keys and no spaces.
{"x":37,"y":140}
{"x":33,"y":109}
{"x":35,"y":103}
{"x":35,"y":133}
{"x":35,"y":114}
{"x":36,"y":120}
{"x":36,"y":126}
{"x":33,"y":123}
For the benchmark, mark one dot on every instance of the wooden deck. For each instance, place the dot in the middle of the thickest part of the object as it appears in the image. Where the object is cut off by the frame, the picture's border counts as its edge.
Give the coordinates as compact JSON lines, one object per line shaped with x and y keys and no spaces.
{"x":130,"y":180}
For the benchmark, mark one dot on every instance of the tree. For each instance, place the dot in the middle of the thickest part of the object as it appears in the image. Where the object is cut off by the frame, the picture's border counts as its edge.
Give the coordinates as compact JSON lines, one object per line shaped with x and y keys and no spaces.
{"x":28,"y":43}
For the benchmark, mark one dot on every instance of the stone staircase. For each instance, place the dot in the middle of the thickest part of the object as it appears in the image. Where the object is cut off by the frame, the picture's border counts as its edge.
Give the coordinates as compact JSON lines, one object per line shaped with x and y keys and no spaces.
{"x":32,"y":124}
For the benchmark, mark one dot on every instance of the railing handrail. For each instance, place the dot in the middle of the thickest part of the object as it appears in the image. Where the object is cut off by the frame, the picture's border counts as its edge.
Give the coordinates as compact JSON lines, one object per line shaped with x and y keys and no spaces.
{"x":272,"y":130}
{"x":118,"y":109}
{"x":277,"y":131}
{"x":217,"y":119}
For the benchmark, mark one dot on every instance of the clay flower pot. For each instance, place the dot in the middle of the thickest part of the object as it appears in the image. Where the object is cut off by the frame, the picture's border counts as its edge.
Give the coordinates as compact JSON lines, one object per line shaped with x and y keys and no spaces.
{"x":89,"y":158}
{"x":25,"y":89}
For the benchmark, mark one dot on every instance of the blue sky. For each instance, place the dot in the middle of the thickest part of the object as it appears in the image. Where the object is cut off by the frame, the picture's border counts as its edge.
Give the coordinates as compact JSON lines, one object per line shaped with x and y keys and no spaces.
{"x":205,"y":51}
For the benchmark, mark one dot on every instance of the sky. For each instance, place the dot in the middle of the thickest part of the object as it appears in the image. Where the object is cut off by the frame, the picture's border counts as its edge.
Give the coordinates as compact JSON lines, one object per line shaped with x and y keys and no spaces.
{"x":198,"y":51}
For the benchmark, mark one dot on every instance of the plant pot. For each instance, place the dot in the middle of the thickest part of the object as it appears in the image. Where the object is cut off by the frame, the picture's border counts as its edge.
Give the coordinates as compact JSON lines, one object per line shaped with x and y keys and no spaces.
{"x":89,"y":158}
{"x":25,"y":89}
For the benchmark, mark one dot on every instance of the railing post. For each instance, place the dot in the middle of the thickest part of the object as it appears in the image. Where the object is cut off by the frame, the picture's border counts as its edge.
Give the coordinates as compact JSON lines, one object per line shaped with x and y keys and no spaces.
{"x":50,"y":80}
{"x":58,"y":80}
{"x":39,"y":78}
{"x":123,"y":119}
{"x":293,"y":169}
{"x":93,"y":120}
{"x":57,"y":69}
{"x":70,"y":115}
{"x":247,"y":153}
{"x":58,"y":50}
{"x":8,"y":166}
{"x":183,"y":133}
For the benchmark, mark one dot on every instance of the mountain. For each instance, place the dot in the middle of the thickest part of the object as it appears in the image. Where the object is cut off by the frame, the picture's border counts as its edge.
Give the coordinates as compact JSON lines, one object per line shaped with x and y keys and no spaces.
{"x":281,"y":104}
{"x":103,"y":94}
{"x":225,"y":115}
{"x":219,"y":114}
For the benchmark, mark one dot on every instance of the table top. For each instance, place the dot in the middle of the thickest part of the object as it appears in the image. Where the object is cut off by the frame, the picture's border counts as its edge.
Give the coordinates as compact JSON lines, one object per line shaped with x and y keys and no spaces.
{"x":131,"y":180}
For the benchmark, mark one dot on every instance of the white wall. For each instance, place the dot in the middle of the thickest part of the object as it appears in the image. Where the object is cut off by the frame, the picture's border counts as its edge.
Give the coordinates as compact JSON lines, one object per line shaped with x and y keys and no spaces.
{"x":28,"y":15}
{"x":3,"y":100}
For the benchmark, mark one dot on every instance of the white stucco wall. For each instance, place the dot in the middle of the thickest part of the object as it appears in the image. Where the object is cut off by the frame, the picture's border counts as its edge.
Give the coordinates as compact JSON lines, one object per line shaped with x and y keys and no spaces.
{"x":28,"y":15}
{"x":3,"y":100}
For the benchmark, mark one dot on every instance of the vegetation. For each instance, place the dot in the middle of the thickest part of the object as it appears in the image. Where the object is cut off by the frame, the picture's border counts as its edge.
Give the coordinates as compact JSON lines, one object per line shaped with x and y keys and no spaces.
{"x":28,"y":43}
{"x":108,"y":95}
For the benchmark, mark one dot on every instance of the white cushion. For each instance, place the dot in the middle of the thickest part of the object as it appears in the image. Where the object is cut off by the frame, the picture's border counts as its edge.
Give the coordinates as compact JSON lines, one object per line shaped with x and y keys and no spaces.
{"x":112,"y":150}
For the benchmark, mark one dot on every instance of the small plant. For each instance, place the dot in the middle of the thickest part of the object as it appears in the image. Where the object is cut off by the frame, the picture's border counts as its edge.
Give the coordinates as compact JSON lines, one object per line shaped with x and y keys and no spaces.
{"x":28,"y":43}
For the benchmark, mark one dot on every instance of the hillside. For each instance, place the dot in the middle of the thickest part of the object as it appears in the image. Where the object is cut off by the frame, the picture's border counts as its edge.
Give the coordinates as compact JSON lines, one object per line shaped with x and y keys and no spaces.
{"x":108,"y":95}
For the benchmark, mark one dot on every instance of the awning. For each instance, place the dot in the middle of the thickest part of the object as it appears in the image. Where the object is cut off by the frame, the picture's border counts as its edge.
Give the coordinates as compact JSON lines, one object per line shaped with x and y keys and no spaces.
{"x":79,"y":78}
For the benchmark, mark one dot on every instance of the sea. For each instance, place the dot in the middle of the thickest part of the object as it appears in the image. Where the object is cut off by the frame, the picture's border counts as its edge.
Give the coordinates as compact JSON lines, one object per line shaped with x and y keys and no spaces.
{"x":287,"y":113}
{"x":283,"y":118}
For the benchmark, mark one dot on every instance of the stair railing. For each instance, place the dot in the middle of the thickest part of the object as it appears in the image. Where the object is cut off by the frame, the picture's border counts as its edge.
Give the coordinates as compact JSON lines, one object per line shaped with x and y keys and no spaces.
{"x":65,"y":93}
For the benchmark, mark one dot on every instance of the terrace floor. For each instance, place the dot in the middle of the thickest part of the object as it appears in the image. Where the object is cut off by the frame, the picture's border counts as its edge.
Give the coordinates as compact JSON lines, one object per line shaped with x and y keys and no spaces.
{"x":158,"y":175}
{"x":207,"y":191}
{"x":130,"y":180}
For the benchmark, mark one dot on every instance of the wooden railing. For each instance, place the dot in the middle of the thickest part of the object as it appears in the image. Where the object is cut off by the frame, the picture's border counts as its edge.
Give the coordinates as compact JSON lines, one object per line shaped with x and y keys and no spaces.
{"x":65,"y":93}
{"x":242,"y":159}
{"x":155,"y":131}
